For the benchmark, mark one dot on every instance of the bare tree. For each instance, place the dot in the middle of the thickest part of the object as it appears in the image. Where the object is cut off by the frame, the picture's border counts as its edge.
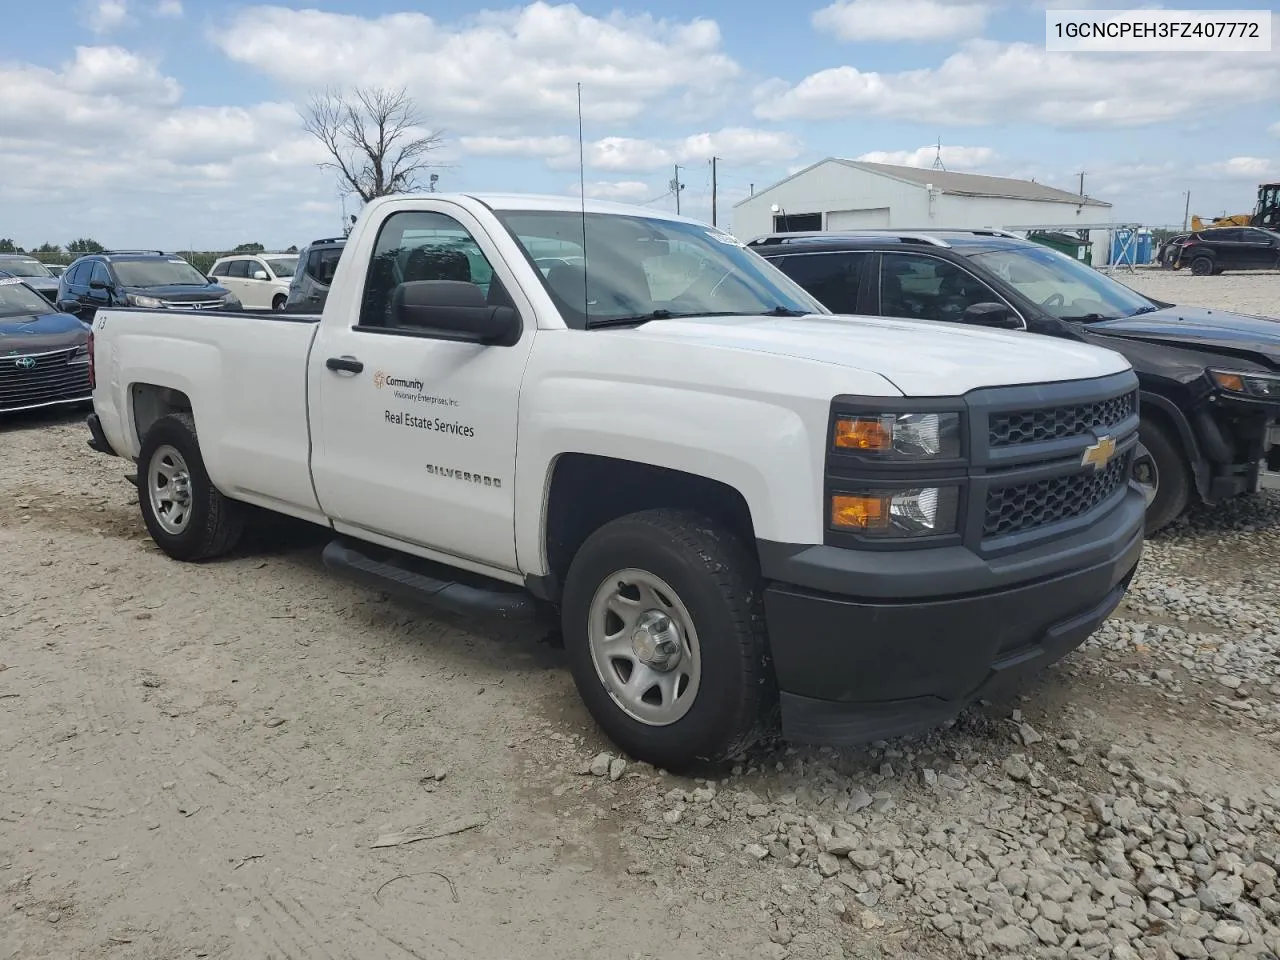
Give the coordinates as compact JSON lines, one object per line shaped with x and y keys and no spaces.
{"x":378,"y":140}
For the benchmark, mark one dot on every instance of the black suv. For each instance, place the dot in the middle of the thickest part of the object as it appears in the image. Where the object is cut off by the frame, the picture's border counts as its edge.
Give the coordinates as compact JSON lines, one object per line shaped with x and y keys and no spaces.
{"x":1210,"y":397}
{"x":1228,"y":248}
{"x":138,"y":278}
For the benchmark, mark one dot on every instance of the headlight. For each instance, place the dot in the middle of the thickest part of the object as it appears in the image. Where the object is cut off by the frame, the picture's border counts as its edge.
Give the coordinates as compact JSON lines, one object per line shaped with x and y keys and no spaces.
{"x":1263,"y":386}
{"x":138,"y":300}
{"x":231,"y":302}
{"x":81,"y":355}
{"x":899,"y":436}
{"x":895,"y":514}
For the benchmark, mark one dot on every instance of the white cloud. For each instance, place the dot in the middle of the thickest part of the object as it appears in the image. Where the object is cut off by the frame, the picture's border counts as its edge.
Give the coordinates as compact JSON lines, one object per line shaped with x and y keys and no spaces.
{"x":516,"y":68}
{"x":625,"y":191}
{"x":169,"y":8}
{"x":990,"y":82}
{"x":921,"y":20}
{"x":1274,"y":129}
{"x":516,"y":146}
{"x":734,"y":146}
{"x":953,"y":158}
{"x":107,"y":15}
{"x":1247,"y":168}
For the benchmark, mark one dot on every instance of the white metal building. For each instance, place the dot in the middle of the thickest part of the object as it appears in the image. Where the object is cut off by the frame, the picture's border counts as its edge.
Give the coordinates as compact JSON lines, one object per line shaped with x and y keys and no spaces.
{"x":836,"y":194}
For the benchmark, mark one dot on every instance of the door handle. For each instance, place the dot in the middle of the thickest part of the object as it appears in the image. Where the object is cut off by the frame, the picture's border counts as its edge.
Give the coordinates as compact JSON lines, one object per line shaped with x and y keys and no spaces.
{"x":345,"y":364}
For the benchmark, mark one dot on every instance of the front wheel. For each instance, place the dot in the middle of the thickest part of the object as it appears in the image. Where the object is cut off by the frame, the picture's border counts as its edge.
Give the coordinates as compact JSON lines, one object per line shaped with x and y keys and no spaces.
{"x":1161,"y":472}
{"x":186,"y":515}
{"x":664,"y":628}
{"x":278,"y":303}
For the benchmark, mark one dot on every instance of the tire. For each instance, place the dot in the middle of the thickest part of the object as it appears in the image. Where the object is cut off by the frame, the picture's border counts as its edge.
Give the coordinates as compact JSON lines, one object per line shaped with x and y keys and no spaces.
{"x":1172,"y":481}
{"x":211,"y":525}
{"x":1201,"y":266}
{"x":703,"y":577}
{"x":278,"y":303}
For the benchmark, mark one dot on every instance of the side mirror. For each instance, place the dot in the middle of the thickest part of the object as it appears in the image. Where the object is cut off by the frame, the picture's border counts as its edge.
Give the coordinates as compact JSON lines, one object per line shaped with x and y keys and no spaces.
{"x":992,"y":315}
{"x":212,"y":279}
{"x":260,"y":275}
{"x":97,"y":284}
{"x":457,"y":310}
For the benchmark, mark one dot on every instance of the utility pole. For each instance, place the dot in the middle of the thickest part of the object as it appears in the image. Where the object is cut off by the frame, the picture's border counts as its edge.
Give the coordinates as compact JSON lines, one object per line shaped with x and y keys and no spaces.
{"x":677,"y":186}
{"x":713,"y":191}
{"x":1082,"y":183}
{"x":1186,"y":211}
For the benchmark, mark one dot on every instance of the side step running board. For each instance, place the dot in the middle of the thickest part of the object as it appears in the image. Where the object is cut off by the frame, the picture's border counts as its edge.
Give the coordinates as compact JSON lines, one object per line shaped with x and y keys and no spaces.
{"x":425,"y":582}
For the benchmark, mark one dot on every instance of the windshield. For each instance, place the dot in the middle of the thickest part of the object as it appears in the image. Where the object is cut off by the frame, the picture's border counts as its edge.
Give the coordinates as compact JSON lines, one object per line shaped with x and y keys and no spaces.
{"x":642,"y":268}
{"x":282,"y":266}
{"x":25,"y":268}
{"x":159,"y":273}
{"x":19,"y":300}
{"x":1063,"y":287}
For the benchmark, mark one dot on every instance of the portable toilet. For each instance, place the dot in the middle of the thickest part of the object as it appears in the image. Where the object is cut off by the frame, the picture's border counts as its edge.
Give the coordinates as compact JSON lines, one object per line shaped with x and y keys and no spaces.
{"x":1123,"y":247}
{"x":1146,"y":244}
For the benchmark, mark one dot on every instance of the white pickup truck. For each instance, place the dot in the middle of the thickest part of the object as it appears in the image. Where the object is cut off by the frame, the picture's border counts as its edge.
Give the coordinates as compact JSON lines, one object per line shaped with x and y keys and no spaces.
{"x":732,"y":500}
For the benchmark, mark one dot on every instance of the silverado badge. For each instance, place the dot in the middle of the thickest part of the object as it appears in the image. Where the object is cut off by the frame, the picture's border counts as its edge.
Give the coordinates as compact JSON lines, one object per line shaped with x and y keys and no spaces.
{"x":1098,"y":455}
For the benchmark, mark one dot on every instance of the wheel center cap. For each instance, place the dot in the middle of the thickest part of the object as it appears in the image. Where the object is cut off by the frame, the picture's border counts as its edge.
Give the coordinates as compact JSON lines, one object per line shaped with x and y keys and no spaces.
{"x":656,"y":641}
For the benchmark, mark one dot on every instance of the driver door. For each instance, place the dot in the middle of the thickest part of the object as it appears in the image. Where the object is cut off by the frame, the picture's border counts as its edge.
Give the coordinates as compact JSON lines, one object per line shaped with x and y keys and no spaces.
{"x":923,"y":287}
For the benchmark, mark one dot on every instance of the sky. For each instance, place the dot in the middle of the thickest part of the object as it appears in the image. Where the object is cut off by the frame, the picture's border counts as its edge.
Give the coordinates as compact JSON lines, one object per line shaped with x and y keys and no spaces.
{"x":175,"y":124}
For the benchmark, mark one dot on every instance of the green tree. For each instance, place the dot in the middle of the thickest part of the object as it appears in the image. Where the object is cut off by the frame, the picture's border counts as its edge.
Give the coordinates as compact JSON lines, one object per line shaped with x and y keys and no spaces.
{"x":293,"y":248}
{"x":7,"y":246}
{"x":249,"y":248}
{"x":85,"y":245}
{"x":48,"y":248}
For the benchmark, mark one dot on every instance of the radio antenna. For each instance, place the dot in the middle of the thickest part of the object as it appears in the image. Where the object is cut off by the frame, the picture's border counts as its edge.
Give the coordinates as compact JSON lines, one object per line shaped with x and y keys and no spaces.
{"x":582,"y":205}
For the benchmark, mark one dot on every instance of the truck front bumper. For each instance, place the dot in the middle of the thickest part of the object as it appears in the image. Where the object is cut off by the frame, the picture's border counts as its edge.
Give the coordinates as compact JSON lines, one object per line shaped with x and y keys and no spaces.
{"x":865,"y":649}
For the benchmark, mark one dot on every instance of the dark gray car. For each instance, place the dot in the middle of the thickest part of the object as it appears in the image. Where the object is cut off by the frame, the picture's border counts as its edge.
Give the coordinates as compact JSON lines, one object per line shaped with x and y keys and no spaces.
{"x":309,"y":288}
{"x":32,"y":272}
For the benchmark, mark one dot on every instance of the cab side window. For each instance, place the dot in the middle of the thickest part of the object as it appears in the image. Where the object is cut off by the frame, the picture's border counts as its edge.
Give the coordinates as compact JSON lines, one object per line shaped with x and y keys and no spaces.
{"x":238,"y":269}
{"x":927,"y":288}
{"x":220,"y":269}
{"x":100,"y":273}
{"x":414,"y":246}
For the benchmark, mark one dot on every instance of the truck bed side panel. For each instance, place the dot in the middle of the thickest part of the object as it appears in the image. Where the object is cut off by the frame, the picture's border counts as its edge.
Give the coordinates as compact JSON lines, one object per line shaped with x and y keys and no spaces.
{"x":245,"y":377}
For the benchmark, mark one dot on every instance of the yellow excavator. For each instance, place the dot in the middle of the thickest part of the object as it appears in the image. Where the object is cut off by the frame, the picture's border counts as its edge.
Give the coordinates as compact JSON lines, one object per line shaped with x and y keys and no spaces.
{"x":1266,"y":213}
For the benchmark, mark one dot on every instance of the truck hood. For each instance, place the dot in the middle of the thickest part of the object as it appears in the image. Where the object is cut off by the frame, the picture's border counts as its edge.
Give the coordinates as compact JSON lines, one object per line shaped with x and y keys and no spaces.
{"x":921,"y":358}
{"x":33,"y":334}
{"x":1207,"y":331}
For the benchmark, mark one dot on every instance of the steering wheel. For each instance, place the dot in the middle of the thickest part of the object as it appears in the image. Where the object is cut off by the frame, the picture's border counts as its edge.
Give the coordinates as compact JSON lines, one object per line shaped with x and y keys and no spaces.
{"x":1053,"y":300}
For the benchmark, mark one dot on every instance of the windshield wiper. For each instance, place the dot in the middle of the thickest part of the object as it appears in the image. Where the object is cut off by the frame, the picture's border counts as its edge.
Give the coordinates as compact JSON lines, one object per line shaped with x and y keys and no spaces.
{"x":631,"y":321}
{"x":783,"y":312}
{"x":1086,"y":318}
{"x":1142,"y":310}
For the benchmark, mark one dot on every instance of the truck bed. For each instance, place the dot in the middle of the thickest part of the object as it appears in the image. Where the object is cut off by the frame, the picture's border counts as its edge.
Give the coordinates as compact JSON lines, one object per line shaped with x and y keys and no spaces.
{"x":247,"y":375}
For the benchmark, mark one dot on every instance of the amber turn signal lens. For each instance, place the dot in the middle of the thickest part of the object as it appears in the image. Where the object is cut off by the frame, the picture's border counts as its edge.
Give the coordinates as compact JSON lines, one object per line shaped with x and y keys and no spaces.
{"x":1229,"y":381}
{"x":864,"y":433}
{"x":860,"y":513}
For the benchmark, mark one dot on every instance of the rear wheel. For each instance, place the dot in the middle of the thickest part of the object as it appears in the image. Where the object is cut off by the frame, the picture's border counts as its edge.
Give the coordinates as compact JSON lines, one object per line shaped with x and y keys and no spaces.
{"x":664,"y":627}
{"x":1202,"y":266}
{"x":186,"y":515}
{"x":278,"y":303}
{"x":1161,"y":471}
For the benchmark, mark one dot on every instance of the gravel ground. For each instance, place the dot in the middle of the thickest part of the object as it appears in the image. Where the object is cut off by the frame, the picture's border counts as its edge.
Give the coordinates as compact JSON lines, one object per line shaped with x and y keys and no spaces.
{"x":203,"y":761}
{"x":1256,"y":292}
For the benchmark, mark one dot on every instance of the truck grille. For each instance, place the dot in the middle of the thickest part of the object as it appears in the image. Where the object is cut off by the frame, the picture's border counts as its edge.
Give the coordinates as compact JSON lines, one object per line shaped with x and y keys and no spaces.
{"x":1058,"y":423}
{"x":38,"y":379}
{"x":1026,"y":506}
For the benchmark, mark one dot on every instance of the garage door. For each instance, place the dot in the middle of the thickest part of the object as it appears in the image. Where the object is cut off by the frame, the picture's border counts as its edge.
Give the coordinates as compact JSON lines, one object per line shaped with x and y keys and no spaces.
{"x":858,"y":219}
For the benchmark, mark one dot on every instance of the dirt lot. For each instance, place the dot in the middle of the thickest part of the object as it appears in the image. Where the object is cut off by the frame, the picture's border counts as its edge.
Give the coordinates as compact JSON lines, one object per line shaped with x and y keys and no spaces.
{"x":196,"y":761}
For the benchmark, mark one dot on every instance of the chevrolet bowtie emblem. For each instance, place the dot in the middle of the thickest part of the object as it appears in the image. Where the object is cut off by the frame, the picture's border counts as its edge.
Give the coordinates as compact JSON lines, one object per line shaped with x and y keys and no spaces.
{"x":1098,"y":455}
